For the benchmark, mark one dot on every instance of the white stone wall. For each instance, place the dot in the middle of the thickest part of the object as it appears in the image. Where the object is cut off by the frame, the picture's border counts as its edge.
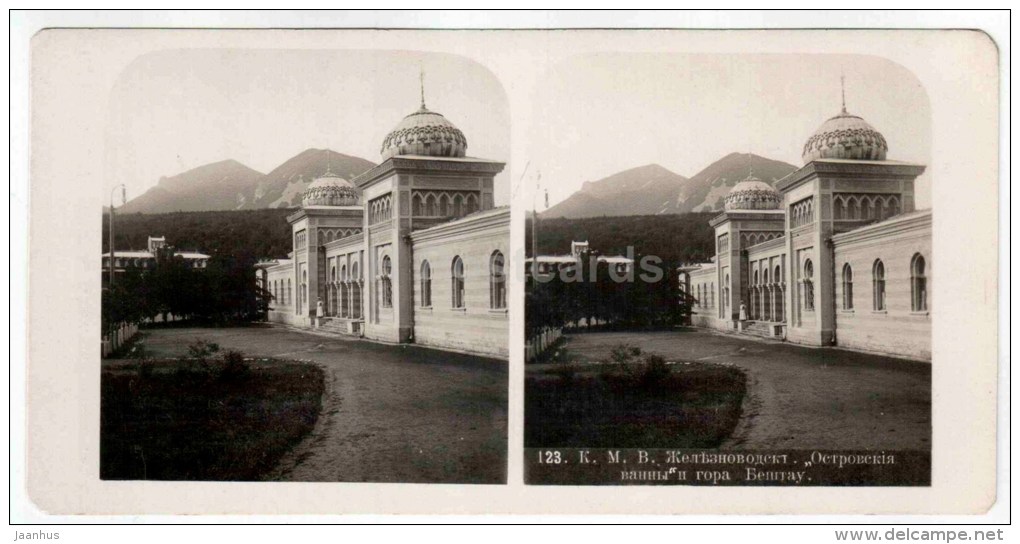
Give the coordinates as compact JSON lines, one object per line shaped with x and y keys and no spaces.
{"x":704,"y":288}
{"x":277,"y":278}
{"x":476,"y":328}
{"x":897,"y":330}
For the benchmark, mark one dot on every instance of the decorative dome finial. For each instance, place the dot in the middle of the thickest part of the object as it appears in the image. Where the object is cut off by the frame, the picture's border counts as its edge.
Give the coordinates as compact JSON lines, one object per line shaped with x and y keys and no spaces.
{"x":421,"y":78}
{"x":425,"y":133}
{"x":845,"y":136}
{"x":842,"y":89}
{"x":330,"y":190}
{"x":752,"y":194}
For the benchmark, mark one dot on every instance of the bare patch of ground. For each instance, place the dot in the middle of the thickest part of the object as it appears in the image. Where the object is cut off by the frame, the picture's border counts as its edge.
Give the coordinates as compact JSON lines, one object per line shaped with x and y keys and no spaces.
{"x":799,"y":397}
{"x":636,"y":405}
{"x":390,"y":413}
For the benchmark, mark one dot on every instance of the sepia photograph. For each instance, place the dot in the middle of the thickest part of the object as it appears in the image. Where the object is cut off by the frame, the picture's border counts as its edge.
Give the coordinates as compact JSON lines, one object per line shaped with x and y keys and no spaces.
{"x":456,"y":267}
{"x":306,"y":279}
{"x":764,"y":321}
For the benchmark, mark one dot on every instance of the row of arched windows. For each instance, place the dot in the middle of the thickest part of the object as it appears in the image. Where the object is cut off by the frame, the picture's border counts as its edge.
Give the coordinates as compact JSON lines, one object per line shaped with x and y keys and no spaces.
{"x":380,"y":208}
{"x":497,"y":283}
{"x":343,"y":292}
{"x":918,"y":285}
{"x":802,"y":212}
{"x":441,"y":204}
{"x":281,"y":291}
{"x":865,"y":207}
{"x":704,"y":295}
{"x":764,"y":278}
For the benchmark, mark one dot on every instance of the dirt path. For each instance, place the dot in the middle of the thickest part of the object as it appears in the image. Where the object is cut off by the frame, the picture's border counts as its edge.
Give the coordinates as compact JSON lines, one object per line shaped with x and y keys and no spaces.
{"x":802,"y":398}
{"x":390,"y":413}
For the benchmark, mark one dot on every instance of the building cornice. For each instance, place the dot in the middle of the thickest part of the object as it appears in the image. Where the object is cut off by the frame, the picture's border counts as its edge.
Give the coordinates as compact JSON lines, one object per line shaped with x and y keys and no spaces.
{"x":352,"y":240}
{"x":767,"y":245}
{"x":919,"y":220}
{"x":326,"y":211}
{"x":488,"y":219}
{"x":419,"y":164}
{"x":747,"y":215}
{"x":858,"y":169}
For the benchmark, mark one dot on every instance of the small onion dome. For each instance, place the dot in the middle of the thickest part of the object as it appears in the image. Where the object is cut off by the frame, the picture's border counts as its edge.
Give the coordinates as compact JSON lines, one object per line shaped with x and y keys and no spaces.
{"x":752,"y":194}
{"x":845,"y":136}
{"x":424,"y":132}
{"x":330,"y":190}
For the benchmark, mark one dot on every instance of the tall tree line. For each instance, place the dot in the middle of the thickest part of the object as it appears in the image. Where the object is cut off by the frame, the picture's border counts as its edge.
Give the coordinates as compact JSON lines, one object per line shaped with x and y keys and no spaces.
{"x":225,"y":291}
{"x":264,"y":233}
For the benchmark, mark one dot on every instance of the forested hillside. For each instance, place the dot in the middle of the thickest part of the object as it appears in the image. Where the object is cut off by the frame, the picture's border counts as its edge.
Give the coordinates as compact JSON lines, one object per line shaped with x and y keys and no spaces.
{"x":256,"y":233}
{"x":676,"y":238}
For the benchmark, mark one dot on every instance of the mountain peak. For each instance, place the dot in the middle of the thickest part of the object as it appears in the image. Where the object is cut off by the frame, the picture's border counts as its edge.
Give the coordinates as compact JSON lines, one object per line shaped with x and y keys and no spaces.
{"x":653,"y":189}
{"x":228,"y":184}
{"x":630,"y":192}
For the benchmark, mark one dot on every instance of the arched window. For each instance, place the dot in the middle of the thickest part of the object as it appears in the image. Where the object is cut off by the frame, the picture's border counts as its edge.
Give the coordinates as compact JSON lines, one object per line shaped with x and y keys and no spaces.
{"x":355,"y":273}
{"x":726,"y":292}
{"x":426,"y":285}
{"x":918,"y":284}
{"x":431,"y":205}
{"x":457,"y":283}
{"x":417,"y":205}
{"x":777,"y":277}
{"x":385,"y":284}
{"x":458,"y":205}
{"x":497,"y":281}
{"x":878,"y":286}
{"x":444,"y":205}
{"x":848,"y":287}
{"x":755,"y":278}
{"x":304,"y":287}
{"x":290,"y":291}
{"x":809,"y":286}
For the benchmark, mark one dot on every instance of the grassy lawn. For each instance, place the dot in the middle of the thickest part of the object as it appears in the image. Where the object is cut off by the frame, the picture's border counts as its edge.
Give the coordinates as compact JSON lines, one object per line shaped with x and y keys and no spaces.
{"x":180,"y":420}
{"x":632,"y":405}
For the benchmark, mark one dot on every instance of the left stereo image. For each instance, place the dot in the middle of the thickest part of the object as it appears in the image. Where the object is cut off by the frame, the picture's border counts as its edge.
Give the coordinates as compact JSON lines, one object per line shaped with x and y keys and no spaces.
{"x":304,"y":268}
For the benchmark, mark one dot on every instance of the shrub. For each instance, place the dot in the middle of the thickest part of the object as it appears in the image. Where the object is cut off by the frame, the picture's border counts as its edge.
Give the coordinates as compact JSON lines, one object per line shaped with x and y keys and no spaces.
{"x":233,"y":366}
{"x":137,"y":351}
{"x":193,"y":370}
{"x":202,"y":349}
{"x":624,"y":353}
{"x":146,"y":367}
{"x":654,"y":372}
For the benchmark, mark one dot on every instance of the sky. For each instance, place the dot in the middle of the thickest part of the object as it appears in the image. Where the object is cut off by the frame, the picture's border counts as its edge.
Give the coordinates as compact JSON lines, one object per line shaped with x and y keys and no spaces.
{"x":603,"y":113}
{"x":175,"y":110}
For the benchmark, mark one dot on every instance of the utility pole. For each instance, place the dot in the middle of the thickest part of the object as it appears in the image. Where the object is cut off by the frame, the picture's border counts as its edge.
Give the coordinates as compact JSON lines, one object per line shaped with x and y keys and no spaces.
{"x":123,"y":200}
{"x":534,"y":225}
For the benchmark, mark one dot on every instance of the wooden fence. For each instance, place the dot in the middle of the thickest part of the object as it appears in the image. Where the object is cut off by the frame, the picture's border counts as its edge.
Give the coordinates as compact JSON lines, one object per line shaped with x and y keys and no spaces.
{"x":118,"y":338}
{"x":540,"y":342}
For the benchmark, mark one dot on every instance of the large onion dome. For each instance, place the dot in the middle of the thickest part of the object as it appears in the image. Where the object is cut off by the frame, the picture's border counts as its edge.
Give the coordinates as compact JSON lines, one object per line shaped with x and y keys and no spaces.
{"x":330,"y":190}
{"x":424,"y":132}
{"x":845,"y":136}
{"x":752,"y":194}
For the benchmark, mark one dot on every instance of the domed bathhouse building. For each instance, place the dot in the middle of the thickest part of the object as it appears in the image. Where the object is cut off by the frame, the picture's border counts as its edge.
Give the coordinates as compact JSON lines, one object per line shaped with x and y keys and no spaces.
{"x":411,"y":251}
{"x":834,"y":255}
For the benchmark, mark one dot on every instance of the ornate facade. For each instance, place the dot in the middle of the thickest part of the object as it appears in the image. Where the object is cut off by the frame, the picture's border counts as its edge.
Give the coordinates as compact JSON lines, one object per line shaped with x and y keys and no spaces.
{"x":412,"y":251}
{"x":835,"y":255}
